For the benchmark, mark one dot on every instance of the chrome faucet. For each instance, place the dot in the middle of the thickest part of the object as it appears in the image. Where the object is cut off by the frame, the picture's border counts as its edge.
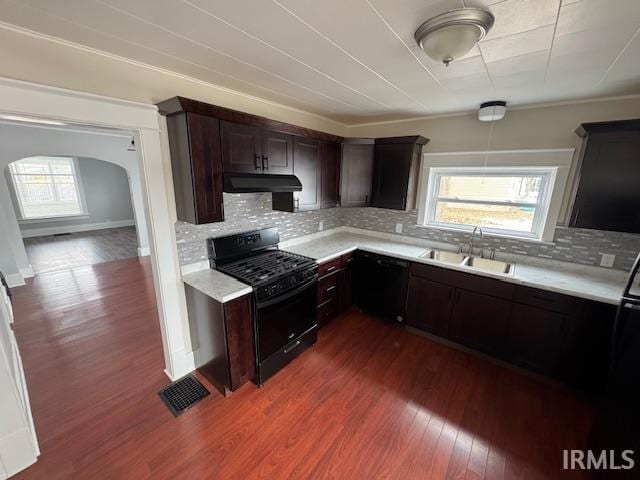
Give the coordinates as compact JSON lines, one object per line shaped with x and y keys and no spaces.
{"x":471,"y":247}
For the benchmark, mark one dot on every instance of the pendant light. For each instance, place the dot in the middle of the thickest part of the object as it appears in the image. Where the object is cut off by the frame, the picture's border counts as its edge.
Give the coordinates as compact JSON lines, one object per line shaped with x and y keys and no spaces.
{"x":451,"y":35}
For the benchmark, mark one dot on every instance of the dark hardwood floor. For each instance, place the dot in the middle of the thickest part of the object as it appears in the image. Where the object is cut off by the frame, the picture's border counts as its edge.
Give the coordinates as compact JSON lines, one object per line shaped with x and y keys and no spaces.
{"x":370,"y":401}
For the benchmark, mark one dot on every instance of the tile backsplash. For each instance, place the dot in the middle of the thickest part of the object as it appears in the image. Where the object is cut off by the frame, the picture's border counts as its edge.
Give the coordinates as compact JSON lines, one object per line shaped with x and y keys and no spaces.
{"x":249,"y":211}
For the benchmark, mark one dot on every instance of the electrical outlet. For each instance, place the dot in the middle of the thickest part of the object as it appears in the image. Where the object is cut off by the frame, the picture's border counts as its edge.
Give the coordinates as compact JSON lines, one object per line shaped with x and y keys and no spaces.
{"x":320,"y":226}
{"x":398,"y":228}
{"x":607,"y":259}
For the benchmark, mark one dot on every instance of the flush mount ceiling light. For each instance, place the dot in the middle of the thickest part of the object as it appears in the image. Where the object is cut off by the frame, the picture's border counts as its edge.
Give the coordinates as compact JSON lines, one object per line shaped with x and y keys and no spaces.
{"x":452,"y":34}
{"x":492,"y":111}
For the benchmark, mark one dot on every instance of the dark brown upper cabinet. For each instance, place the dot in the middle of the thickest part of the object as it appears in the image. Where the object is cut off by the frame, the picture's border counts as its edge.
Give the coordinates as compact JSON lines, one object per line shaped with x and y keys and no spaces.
{"x":329,"y":174}
{"x":277,"y":152}
{"x":316,"y":164}
{"x":194,"y":142}
{"x":396,"y":168}
{"x":356,"y":172}
{"x":250,"y":149}
{"x":608,"y":180}
{"x":306,"y":154}
{"x":241,"y":147}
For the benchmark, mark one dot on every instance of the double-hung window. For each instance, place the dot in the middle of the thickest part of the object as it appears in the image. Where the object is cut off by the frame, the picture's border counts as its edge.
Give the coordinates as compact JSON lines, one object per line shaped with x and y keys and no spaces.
{"x":47,"y":187}
{"x":501,"y":200}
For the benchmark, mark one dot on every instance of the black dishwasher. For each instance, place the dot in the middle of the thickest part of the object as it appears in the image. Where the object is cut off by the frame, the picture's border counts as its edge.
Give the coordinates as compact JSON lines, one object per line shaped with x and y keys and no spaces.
{"x":380,"y":285}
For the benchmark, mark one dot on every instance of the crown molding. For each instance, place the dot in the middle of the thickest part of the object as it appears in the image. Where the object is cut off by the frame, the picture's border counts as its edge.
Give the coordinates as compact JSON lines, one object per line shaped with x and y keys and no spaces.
{"x":118,"y":58}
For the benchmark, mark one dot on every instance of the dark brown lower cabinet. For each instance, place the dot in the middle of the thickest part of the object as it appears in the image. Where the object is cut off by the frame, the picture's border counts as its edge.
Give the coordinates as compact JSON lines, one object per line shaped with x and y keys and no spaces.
{"x":537,"y":339}
{"x":334,"y":288}
{"x":557,"y":335}
{"x":346,"y":283}
{"x":429,"y":305}
{"x":480,"y":321}
{"x":222,"y":339}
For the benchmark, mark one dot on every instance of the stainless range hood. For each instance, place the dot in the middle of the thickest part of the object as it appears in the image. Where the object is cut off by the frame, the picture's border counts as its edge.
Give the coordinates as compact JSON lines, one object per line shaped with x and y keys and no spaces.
{"x":256,"y":182}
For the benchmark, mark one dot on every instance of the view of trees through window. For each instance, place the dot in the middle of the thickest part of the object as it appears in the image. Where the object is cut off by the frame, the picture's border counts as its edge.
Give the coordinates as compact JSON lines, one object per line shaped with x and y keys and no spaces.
{"x":499,"y":201}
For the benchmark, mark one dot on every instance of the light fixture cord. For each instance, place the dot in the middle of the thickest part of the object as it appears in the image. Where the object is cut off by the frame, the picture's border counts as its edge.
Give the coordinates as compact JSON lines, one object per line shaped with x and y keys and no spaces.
{"x":486,"y":153}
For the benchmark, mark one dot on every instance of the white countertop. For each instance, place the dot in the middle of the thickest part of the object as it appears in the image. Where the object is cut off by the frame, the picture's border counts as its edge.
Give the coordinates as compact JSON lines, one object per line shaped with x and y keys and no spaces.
{"x":593,"y":283}
{"x":217,"y":285}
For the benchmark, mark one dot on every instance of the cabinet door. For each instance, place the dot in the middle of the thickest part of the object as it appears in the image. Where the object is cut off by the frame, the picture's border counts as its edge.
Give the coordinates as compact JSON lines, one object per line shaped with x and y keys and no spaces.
{"x":391,"y":175}
{"x":306,"y":166}
{"x":329,"y":161}
{"x":345,"y":292}
{"x":607,"y":195}
{"x":206,"y":168}
{"x":480,"y":321}
{"x":356,"y":175}
{"x":241,"y":147}
{"x":536,"y":339}
{"x":277,"y":152}
{"x":429,"y":305}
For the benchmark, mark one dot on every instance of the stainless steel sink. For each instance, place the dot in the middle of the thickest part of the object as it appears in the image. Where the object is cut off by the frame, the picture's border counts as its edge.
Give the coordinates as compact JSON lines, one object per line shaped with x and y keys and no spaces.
{"x":444,"y":256}
{"x":489,"y":265}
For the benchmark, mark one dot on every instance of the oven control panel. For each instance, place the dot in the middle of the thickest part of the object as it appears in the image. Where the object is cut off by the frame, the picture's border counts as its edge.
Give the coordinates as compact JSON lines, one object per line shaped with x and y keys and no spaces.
{"x":284,"y":284}
{"x":251,"y":239}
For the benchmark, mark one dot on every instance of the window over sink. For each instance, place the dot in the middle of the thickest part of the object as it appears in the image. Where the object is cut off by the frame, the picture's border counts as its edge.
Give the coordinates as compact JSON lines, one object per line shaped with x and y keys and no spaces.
{"x":509,"y":201}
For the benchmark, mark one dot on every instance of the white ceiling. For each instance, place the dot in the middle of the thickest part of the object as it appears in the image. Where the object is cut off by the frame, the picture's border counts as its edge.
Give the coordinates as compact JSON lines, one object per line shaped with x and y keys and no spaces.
{"x":356,"y":60}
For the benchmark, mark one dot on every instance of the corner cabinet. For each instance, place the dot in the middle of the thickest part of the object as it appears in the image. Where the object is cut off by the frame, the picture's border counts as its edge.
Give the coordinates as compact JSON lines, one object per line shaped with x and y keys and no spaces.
{"x":194,"y":143}
{"x":396,"y":169}
{"x":608,"y":179}
{"x":356,"y":172}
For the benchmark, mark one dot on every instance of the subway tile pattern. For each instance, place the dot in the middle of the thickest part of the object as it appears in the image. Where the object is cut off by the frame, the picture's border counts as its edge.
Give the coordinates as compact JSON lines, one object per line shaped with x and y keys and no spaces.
{"x":570,"y":244}
{"x":250,"y":211}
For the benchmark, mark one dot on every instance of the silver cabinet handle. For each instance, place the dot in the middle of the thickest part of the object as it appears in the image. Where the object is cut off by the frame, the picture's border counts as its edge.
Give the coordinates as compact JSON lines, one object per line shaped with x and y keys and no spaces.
{"x":292,"y":347}
{"x":332,"y":287}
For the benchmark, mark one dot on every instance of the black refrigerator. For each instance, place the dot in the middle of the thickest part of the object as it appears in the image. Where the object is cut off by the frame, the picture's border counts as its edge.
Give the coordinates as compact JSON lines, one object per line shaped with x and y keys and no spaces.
{"x":617,"y":422}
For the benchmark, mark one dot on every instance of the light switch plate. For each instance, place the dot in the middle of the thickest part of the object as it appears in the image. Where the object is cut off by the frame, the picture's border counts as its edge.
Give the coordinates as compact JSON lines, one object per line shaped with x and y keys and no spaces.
{"x":607,"y":260}
{"x":321,"y":226}
{"x":398,"y":228}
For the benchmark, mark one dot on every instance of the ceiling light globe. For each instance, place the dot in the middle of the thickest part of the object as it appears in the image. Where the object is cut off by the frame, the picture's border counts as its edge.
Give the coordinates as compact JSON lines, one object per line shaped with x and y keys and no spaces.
{"x":453,"y":34}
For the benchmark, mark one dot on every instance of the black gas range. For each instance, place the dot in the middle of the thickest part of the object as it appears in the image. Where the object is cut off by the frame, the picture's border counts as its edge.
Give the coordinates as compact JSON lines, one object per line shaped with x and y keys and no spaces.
{"x":284,"y":294}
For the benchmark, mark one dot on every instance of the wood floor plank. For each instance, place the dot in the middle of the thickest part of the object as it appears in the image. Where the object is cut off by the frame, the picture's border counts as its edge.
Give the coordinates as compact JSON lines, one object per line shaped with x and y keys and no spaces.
{"x":370,"y":400}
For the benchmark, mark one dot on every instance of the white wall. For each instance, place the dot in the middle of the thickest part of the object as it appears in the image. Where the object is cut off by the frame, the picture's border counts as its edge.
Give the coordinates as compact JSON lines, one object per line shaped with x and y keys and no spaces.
{"x":20,"y":141}
{"x":106,"y":195}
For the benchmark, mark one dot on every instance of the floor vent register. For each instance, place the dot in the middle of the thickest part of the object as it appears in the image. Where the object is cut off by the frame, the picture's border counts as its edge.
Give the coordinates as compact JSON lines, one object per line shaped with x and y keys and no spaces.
{"x":183,"y":394}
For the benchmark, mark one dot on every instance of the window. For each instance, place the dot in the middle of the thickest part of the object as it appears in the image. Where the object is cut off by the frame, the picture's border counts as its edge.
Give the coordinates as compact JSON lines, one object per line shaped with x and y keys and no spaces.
{"x":501,"y":200}
{"x":47,"y":187}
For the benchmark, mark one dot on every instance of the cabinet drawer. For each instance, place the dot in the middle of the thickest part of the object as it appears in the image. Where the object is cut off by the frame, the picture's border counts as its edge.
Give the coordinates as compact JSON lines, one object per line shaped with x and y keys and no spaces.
{"x":327,"y":288}
{"x":556,"y":302}
{"x":468,"y":281}
{"x":329,"y":267}
{"x":327,"y":311}
{"x":347,"y":259}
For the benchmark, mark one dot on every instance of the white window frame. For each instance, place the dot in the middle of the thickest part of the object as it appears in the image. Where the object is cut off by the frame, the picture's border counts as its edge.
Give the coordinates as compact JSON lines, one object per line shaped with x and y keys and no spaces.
{"x":79,"y":191}
{"x":548,"y":178}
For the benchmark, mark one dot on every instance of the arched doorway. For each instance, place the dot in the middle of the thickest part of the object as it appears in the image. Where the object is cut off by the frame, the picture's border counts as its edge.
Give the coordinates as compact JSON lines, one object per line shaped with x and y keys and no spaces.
{"x":72,"y":211}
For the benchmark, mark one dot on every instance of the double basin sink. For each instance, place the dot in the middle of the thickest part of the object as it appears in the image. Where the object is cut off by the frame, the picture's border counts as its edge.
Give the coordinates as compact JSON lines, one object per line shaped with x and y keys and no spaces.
{"x":476,"y":263}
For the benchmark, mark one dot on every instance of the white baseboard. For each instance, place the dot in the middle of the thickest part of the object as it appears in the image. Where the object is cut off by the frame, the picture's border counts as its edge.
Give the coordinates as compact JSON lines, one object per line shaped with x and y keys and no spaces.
{"x":144,"y":252}
{"x":27,"y":272}
{"x":84,"y":227}
{"x":14,"y":279}
{"x":182,"y":363}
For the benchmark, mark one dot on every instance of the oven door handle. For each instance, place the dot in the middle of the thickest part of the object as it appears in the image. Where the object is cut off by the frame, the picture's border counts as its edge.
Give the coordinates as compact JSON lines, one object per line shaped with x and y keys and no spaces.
{"x":289,"y":294}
